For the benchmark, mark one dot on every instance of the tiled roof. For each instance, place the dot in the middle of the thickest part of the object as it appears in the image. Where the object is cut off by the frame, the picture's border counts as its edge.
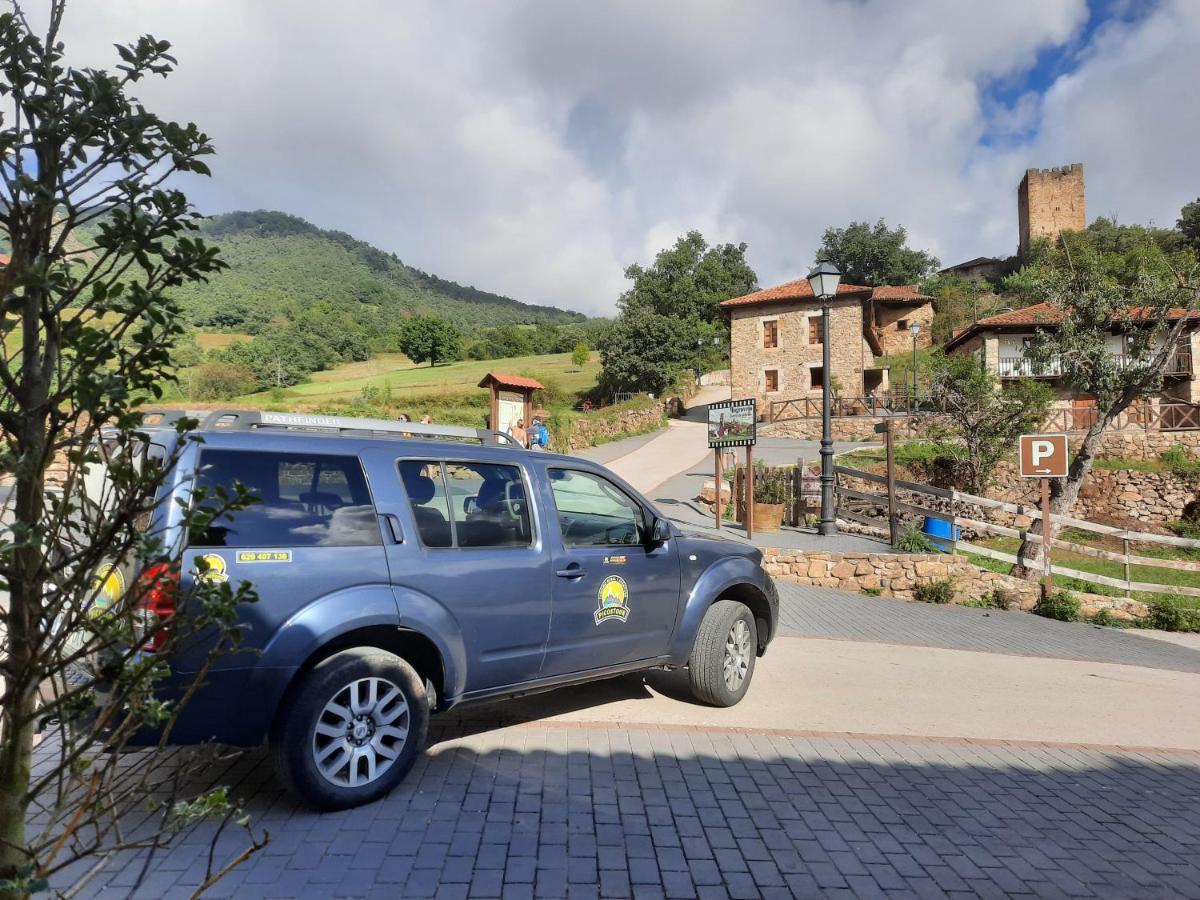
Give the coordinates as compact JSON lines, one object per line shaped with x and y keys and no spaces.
{"x":511,"y":381}
{"x":792,"y":290}
{"x":1043,"y":314}
{"x":904,"y":293}
{"x":1038,"y":314}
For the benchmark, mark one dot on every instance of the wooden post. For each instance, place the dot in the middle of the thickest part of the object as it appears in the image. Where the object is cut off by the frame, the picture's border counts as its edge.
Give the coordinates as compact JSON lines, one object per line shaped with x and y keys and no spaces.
{"x":889,"y":441}
{"x":1128,"y":577}
{"x":953,"y":523}
{"x":749,"y":491}
{"x":719,"y":504}
{"x":1047,"y":572}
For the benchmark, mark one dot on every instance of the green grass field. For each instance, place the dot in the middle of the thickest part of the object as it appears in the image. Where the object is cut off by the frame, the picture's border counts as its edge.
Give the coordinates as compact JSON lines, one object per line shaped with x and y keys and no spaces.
{"x":347,"y":381}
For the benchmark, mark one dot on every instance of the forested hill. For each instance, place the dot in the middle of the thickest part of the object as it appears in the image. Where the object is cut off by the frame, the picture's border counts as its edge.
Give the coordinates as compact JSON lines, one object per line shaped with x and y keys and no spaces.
{"x":281,"y":265}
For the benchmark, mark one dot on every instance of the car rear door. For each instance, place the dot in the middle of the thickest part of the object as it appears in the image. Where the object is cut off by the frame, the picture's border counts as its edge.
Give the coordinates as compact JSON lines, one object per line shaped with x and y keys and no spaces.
{"x":616,"y":598}
{"x":469,"y":540}
{"x":313,"y":533}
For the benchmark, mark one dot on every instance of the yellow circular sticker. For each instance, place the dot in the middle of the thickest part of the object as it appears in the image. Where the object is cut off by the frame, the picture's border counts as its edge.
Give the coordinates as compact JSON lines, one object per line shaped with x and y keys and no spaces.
{"x":213,"y":568}
{"x":109,"y":585}
{"x":613,"y":599}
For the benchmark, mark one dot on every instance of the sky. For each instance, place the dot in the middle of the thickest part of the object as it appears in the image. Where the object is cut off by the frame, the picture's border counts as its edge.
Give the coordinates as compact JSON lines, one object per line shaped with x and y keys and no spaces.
{"x":536,"y":149}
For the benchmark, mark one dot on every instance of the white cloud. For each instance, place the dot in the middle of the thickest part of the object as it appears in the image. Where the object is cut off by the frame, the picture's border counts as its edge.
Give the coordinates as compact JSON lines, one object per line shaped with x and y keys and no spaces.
{"x":535,"y":148}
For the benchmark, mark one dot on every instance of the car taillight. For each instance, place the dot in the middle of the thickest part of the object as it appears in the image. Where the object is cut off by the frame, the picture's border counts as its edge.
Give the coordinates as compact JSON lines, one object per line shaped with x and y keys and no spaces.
{"x":159,"y":588}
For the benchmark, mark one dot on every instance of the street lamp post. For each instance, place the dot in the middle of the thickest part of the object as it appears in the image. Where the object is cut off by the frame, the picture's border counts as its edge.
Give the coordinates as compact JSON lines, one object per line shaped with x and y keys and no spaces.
{"x":824,"y":283}
{"x":915,"y":328}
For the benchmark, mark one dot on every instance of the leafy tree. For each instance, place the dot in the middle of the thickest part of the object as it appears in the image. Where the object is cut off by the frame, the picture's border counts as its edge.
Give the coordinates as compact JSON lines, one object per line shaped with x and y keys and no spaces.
{"x":1189,"y":224}
{"x":87,"y":336}
{"x":580,"y":355}
{"x":689,"y":281}
{"x":220,"y":381}
{"x":677,"y":301}
{"x":427,"y":339}
{"x":980,"y":421}
{"x":645,"y":351}
{"x":875,"y":255}
{"x":1143,"y":302}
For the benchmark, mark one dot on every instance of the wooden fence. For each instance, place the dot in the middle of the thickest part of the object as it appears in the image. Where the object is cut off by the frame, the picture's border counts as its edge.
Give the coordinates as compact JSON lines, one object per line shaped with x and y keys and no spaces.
{"x":955,"y":502}
{"x":875,"y":406}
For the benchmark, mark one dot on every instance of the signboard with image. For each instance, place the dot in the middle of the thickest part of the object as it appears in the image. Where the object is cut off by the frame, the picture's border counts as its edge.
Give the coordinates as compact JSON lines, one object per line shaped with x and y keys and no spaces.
{"x":731,"y":423}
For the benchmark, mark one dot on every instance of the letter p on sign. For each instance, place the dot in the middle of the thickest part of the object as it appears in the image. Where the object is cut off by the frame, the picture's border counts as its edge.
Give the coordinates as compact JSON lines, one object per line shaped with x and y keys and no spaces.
{"x":1043,"y":455}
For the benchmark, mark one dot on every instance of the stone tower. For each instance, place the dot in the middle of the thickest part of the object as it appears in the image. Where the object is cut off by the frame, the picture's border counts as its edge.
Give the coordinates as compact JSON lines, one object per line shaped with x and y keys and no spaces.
{"x":1050,"y":201}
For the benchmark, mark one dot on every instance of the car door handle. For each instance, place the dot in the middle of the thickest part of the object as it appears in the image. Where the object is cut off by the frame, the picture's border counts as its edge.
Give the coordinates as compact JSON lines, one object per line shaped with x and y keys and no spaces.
{"x":571,"y":571}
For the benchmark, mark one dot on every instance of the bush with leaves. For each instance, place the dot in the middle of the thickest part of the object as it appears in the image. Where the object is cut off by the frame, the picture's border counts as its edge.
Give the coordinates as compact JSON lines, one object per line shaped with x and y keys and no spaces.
{"x":1060,"y":605}
{"x":1174,"y":614}
{"x":912,"y":540}
{"x":97,"y":244}
{"x":939,"y":591}
{"x":220,"y":381}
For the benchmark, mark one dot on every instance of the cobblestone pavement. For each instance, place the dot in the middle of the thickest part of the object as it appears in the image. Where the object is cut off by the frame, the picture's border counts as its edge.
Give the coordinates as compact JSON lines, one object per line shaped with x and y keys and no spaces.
{"x":502,"y":807}
{"x":552,"y":812}
{"x":825,"y":613}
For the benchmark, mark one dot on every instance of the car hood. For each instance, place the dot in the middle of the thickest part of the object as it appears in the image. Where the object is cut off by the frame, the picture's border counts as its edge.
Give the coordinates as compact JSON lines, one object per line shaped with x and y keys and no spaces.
{"x":713,"y":544}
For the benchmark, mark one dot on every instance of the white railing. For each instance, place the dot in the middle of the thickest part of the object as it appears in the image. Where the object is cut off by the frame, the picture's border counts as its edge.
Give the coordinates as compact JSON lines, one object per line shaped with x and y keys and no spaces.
{"x":1023,"y":367}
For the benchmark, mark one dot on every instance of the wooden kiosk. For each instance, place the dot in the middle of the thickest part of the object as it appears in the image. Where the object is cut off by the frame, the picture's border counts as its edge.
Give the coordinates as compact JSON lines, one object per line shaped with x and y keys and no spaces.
{"x":511,"y":399}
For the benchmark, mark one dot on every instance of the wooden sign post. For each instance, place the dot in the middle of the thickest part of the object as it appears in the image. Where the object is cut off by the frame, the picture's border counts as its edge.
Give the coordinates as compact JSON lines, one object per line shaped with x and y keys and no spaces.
{"x":734,"y":423}
{"x":718,"y":503}
{"x":889,"y":442}
{"x":1044,"y":456}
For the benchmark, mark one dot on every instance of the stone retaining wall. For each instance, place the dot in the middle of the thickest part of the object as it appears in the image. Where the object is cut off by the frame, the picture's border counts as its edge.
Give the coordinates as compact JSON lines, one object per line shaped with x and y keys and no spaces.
{"x":898,"y":574}
{"x":610,"y":423}
{"x":1155,"y":498}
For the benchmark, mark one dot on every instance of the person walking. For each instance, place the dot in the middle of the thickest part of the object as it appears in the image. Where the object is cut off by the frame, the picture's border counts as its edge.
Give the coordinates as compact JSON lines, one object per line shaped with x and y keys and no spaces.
{"x":518,"y":431}
{"x":539,"y":438}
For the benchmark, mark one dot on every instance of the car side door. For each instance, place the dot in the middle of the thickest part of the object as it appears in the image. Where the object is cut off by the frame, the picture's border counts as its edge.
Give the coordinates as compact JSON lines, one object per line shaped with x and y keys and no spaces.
{"x":472,"y":543}
{"x":616,"y":594}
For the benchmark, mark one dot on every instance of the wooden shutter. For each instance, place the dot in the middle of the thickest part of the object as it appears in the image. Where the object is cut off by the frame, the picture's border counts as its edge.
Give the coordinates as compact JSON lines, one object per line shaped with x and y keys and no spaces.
{"x":814,"y":330}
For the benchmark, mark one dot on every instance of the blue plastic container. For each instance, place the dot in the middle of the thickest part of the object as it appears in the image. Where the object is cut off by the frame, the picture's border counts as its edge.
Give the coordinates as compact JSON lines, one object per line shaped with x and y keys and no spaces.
{"x":940,"y":529}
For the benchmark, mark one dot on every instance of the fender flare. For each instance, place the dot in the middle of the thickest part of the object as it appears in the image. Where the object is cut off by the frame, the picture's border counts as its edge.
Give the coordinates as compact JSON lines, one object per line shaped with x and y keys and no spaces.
{"x":337,"y":614}
{"x":716,"y":580}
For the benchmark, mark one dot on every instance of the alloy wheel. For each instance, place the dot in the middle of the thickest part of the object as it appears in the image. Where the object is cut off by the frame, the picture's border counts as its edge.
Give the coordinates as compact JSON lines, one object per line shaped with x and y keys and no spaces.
{"x":360,"y":732}
{"x":737,"y":655}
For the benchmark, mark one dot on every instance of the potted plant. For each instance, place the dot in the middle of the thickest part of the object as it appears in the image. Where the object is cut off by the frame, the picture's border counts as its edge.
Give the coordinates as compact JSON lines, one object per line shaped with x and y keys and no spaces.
{"x":771,"y":493}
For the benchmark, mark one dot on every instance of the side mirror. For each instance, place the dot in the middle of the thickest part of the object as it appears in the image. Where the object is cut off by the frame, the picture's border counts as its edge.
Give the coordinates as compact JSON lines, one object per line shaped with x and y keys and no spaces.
{"x":660,"y":531}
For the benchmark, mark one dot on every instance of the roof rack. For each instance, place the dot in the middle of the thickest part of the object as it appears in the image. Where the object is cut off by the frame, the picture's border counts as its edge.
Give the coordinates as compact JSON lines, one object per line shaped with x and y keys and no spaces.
{"x":244,"y":420}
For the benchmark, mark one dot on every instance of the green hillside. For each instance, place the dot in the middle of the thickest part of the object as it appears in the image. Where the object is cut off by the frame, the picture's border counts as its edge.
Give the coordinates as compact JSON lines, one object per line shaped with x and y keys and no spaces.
{"x":282,"y":266}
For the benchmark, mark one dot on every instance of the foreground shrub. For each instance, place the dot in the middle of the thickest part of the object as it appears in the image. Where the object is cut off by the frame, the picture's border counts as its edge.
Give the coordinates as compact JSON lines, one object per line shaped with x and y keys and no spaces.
{"x":913,"y":540}
{"x":1060,"y":605}
{"x":939,"y":591}
{"x":1172,"y":615}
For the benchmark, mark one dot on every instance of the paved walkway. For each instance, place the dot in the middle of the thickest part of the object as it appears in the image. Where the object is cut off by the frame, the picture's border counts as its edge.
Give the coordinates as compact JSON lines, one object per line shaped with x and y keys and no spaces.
{"x":826,"y":613}
{"x":622,"y":789}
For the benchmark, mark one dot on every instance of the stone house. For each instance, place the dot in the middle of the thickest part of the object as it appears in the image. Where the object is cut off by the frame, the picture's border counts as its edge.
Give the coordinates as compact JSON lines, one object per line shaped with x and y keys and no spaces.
{"x":776,"y":344}
{"x":893,"y":310}
{"x":1004,"y":341}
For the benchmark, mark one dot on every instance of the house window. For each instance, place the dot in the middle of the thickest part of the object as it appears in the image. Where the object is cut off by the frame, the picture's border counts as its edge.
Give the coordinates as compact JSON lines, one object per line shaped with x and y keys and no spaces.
{"x":816,"y":378}
{"x":815,"y":334}
{"x":902,"y":324}
{"x":771,"y":334}
{"x":771,"y":377}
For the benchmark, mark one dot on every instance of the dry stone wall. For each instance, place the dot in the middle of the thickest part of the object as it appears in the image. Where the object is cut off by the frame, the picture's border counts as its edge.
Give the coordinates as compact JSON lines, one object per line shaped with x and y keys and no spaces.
{"x":899,"y":574}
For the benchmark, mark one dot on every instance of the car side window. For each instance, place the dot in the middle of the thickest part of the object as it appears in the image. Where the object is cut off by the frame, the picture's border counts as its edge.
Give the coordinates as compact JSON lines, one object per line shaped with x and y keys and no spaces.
{"x":426,"y":489}
{"x":488,"y":505}
{"x":594,"y":512}
{"x":294,"y":508}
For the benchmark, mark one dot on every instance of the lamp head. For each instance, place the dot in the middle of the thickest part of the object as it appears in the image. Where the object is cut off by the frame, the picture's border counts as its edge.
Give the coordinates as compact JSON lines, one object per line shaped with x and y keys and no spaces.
{"x":824,"y":279}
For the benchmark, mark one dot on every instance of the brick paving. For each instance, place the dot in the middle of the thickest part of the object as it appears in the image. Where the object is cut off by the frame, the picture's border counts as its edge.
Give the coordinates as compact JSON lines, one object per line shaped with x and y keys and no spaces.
{"x":548,"y":810}
{"x":553,"y":812}
{"x":825,"y":613}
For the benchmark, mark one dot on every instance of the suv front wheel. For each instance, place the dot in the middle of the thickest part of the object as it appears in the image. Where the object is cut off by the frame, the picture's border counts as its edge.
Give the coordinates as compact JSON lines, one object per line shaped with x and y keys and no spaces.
{"x":352,"y":729}
{"x":722,"y":661}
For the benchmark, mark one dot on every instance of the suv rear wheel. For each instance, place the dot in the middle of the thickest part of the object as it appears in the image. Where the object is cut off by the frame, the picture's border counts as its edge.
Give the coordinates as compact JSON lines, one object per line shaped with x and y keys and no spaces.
{"x":722,"y":661}
{"x":352,"y":729}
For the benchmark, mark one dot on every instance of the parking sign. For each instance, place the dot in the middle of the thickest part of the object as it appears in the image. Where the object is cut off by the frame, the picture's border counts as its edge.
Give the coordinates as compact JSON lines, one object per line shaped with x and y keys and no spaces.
{"x":1043,"y":455}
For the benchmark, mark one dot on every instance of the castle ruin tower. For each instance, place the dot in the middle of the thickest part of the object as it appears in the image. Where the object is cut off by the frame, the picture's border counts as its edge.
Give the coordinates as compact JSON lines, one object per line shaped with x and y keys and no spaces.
{"x":1049,"y":202}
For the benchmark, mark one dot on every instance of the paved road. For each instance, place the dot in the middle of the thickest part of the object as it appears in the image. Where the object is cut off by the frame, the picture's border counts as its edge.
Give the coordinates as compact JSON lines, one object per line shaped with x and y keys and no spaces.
{"x":510,"y":803}
{"x":554,"y":812}
{"x":823,"y":613}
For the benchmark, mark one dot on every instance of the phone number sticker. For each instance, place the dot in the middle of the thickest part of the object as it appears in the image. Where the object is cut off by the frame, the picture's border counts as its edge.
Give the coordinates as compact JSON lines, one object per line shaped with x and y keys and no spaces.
{"x":264,"y":556}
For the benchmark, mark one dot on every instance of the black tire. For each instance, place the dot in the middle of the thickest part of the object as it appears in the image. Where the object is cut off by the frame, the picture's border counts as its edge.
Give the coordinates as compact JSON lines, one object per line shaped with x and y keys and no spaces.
{"x":368,"y":738}
{"x":707,"y":666}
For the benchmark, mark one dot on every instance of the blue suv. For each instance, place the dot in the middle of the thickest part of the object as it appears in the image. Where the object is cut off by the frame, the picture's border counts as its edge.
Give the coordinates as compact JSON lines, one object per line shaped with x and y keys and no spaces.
{"x":402,"y":569}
